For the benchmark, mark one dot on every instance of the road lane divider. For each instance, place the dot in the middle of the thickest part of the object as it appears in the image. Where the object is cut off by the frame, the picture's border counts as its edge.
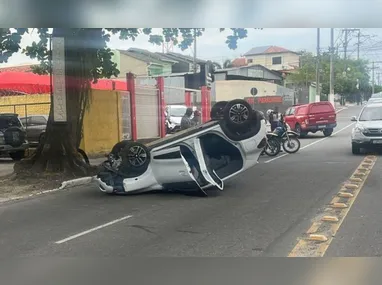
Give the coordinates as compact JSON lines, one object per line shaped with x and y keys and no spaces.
{"x":311,"y":144}
{"x":317,"y":239}
{"x":92,"y":230}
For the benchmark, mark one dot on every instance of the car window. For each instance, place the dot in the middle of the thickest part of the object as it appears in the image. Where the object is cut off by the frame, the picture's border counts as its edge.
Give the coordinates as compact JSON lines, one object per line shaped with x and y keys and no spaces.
{"x":177,"y":111}
{"x":9,"y":121}
{"x":290,"y":111}
{"x":24,"y":121}
{"x":321,"y":108}
{"x":376,"y":95}
{"x":372,"y":113}
{"x":37,"y":120}
{"x":301,"y":111}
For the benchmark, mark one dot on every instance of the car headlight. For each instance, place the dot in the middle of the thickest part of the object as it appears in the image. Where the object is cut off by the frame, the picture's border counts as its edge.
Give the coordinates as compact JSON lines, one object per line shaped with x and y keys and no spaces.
{"x":359,"y":129}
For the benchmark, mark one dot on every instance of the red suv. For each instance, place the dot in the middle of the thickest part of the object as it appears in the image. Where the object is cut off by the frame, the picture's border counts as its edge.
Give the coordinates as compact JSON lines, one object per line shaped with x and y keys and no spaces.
{"x":313,"y":117}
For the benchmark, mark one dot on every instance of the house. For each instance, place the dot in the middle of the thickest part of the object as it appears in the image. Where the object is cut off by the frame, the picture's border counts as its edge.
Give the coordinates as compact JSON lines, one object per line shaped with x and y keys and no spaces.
{"x":249,"y":81}
{"x":238,"y":62}
{"x":273,"y":57}
{"x":184,"y":63}
{"x":141,"y":63}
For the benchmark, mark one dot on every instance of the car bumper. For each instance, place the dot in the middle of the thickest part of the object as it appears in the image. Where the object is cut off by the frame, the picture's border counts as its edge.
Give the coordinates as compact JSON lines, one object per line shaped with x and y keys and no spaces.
{"x":9,"y":148}
{"x":311,"y":128}
{"x":366,"y":142}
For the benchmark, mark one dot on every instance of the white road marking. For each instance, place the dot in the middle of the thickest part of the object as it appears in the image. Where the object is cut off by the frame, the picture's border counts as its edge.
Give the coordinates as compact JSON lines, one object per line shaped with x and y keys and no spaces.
{"x":92,"y":230}
{"x":308,"y":145}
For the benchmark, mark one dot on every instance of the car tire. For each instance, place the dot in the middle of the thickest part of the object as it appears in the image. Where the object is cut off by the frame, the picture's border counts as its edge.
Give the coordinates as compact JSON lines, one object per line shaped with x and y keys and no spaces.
{"x":328,"y":132}
{"x":14,"y":140}
{"x":84,"y":156}
{"x":118,"y":147}
{"x":244,"y":115}
{"x":135,"y":157}
{"x":217,"y":110}
{"x":355,"y":149}
{"x":42,"y":138}
{"x":18,"y":155}
{"x":298,"y":130}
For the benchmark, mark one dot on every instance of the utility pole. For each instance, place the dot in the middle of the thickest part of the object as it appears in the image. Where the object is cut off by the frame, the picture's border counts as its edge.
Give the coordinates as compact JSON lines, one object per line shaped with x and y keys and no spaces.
{"x":331,"y":83}
{"x":359,"y":43}
{"x":194,"y":50}
{"x":318,"y":67}
{"x":346,"y":43}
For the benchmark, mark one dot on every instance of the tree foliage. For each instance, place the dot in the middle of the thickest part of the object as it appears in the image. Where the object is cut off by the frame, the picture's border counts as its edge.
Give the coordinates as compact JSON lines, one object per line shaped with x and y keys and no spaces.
{"x":346,"y":74}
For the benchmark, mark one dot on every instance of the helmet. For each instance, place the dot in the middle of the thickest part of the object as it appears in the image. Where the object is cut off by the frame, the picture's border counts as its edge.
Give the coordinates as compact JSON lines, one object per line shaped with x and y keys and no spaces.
{"x":270,"y":111}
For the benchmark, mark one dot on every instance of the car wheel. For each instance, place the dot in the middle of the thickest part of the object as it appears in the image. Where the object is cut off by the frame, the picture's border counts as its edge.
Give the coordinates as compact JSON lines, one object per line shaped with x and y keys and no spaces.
{"x":355,"y":149}
{"x":18,"y":155}
{"x":298,"y":130}
{"x":238,"y":115}
{"x":42,"y":138}
{"x":328,"y":132}
{"x":135,"y":156}
{"x":217,"y":110}
{"x":118,"y":147}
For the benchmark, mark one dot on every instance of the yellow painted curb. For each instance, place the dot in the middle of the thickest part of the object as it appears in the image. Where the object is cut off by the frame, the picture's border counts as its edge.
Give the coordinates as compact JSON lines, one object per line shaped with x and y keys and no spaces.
{"x":351,"y":186}
{"x":321,"y":238}
{"x":339,"y":205}
{"x":329,"y":219}
{"x":325,"y":228}
{"x":355,"y":179}
{"x":345,"y":195}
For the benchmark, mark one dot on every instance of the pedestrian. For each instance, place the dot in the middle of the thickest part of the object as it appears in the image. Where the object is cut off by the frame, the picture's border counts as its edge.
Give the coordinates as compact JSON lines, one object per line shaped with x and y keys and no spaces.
{"x":186,"y":122}
{"x":196,"y":120}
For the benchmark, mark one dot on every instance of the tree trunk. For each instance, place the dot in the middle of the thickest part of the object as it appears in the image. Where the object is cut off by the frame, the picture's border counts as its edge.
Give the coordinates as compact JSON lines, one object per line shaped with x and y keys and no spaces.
{"x":58,"y":152}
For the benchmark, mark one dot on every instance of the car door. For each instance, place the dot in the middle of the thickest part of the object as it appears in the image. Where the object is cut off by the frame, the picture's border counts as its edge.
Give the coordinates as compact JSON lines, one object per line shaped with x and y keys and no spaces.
{"x":172,"y":168}
{"x":289,"y":117}
{"x":321,"y":114}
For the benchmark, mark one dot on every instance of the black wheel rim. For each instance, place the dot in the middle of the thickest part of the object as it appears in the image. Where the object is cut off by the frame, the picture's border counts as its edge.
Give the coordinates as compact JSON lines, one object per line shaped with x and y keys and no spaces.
{"x":137,"y":156}
{"x":238,"y":113}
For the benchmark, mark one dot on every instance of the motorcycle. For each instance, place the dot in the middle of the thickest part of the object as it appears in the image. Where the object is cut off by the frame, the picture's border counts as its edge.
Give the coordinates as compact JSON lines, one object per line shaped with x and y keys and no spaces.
{"x":273,"y":147}
{"x":285,"y":138}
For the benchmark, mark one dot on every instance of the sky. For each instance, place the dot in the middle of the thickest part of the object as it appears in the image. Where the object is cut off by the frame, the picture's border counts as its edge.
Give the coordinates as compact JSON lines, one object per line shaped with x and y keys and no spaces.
{"x":212,"y":44}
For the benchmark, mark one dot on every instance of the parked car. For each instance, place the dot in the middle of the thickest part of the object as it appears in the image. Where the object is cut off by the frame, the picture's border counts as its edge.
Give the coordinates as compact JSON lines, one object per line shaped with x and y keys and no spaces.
{"x":35,"y":126}
{"x":197,"y":158}
{"x":174,"y":114}
{"x":367,"y":132}
{"x":13,"y":140}
{"x":311,"y":118}
{"x":377,"y":97}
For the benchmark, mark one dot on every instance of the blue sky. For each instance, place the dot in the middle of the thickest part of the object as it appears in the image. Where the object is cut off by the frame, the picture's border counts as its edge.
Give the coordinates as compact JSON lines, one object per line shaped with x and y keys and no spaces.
{"x":212,"y":44}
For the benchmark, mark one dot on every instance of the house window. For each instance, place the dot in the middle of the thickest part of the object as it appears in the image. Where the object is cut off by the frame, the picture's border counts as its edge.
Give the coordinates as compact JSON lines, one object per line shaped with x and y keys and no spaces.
{"x":250,"y":60}
{"x":276,"y":60}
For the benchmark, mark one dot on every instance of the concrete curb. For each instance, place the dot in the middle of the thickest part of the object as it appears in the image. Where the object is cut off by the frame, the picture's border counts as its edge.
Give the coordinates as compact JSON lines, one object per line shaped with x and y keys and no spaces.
{"x":64,"y":185}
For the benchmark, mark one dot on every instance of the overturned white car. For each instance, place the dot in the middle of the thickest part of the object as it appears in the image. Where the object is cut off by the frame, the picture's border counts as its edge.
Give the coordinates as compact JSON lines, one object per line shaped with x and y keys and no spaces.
{"x":195,"y":159}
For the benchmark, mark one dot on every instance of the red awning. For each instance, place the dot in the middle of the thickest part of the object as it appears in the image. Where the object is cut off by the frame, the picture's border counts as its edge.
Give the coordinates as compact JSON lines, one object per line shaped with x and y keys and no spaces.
{"x":31,"y":83}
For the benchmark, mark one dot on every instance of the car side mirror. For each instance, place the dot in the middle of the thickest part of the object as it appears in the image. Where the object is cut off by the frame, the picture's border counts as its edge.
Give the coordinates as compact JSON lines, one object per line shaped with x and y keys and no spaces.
{"x":353,"y":119}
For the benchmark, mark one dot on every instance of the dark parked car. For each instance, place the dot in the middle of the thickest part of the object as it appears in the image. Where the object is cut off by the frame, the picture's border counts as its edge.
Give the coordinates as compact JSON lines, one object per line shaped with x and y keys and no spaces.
{"x":35,"y":126}
{"x":13,"y":136}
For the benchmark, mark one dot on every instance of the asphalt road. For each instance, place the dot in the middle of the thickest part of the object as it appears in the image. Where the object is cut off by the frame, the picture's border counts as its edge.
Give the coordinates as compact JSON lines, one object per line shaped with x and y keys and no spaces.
{"x":260,"y":213}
